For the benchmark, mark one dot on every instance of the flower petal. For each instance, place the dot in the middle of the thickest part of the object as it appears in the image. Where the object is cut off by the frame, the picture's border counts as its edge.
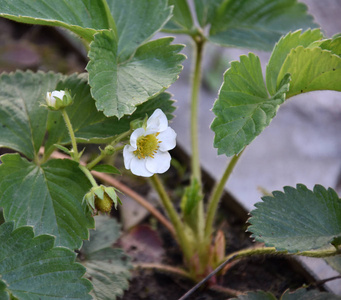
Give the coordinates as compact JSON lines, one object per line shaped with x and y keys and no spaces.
{"x":135,"y":135}
{"x":58,"y":94}
{"x":160,"y":163}
{"x":157,"y":122}
{"x":167,"y":139}
{"x":138,"y":167}
{"x":128,"y":155}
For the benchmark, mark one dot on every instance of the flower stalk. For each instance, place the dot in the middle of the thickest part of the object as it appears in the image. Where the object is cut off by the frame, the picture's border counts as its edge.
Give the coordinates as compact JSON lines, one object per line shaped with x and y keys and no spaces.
{"x":173,"y":216}
{"x":216,"y":194}
{"x":75,"y":155}
{"x":196,"y":83}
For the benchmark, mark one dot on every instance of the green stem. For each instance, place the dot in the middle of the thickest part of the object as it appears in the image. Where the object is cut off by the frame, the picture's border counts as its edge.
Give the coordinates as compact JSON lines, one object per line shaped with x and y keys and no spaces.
{"x":173,"y":216}
{"x":272,"y":250}
{"x":216,"y":195}
{"x":94,"y":162}
{"x":88,"y":175}
{"x":196,"y":82}
{"x":72,"y":135}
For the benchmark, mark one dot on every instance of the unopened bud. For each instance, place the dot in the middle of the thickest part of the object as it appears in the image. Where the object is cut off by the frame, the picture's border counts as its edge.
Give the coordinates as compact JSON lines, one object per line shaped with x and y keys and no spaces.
{"x":58,"y":99}
{"x":102,"y":198}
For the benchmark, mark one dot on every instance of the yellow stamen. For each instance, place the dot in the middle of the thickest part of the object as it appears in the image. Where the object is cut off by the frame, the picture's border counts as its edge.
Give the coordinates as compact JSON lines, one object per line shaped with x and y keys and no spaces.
{"x":147,"y":146}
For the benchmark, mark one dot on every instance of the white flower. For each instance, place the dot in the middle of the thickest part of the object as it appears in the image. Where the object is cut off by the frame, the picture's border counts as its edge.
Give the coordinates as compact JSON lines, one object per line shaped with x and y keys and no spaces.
{"x":147,"y":153}
{"x":50,"y":97}
{"x":58,"y":99}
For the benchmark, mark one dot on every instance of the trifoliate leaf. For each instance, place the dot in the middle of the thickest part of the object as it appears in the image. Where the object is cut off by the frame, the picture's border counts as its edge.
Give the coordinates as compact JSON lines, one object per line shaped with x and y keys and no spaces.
{"x":31,"y":268}
{"x":311,"y":70}
{"x":80,"y":16}
{"x":137,"y":22}
{"x":281,"y":51}
{"x":182,"y":18}
{"x":257,"y":24}
{"x":243,"y":108}
{"x":206,"y":10}
{"x":91,"y":125}
{"x":22,"y":116}
{"x":107,"y":268}
{"x":298,"y":219}
{"x":119,"y":88}
{"x":48,"y":197}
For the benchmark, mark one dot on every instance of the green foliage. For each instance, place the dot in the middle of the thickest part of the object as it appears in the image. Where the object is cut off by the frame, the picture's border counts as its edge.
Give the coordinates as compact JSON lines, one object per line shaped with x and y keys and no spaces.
{"x":243,"y":108}
{"x":47,"y":197}
{"x":106,"y":169}
{"x":206,"y":10}
{"x":281,"y":51}
{"x":256,"y":24}
{"x":297,"y":65}
{"x":298,"y":219}
{"x":182,"y":18}
{"x":31,"y":268}
{"x":22,"y":118}
{"x":311,"y":70}
{"x":137,"y":22}
{"x":107,"y":268}
{"x":80,"y":16}
{"x":300,"y":294}
{"x":118,"y":88}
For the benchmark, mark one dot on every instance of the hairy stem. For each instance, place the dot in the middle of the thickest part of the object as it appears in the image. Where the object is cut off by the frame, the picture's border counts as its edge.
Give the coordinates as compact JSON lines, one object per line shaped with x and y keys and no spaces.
{"x":88,"y":175}
{"x":72,"y":134}
{"x":196,"y":83}
{"x":216,"y":194}
{"x":173,"y":216}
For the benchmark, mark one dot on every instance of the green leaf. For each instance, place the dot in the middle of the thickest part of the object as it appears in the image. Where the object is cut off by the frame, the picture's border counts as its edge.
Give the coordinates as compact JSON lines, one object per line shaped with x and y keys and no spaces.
{"x":243,"y":108}
{"x":303,"y":294}
{"x":107,"y":268}
{"x":281,"y":51}
{"x":311,"y":70}
{"x":298,"y":219}
{"x":182,"y":18}
{"x":91,"y":125}
{"x":192,"y":196}
{"x":260,"y":295}
{"x":333,"y":45}
{"x":118,"y":88}
{"x":137,"y":22}
{"x":22,"y":118}
{"x":32,"y":269}
{"x":300,"y":294}
{"x":206,"y":10}
{"x":257,"y":24}
{"x":106,"y":169}
{"x":48,"y":197}
{"x":83,"y":17}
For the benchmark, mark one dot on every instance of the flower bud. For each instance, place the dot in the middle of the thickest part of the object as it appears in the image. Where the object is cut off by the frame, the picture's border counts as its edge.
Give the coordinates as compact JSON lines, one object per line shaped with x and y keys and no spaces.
{"x":58,"y":99}
{"x":109,"y":150}
{"x":102,"y":198}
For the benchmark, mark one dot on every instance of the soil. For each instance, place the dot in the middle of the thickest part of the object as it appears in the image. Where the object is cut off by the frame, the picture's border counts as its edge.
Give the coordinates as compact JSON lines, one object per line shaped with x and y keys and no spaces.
{"x":43,"y":48}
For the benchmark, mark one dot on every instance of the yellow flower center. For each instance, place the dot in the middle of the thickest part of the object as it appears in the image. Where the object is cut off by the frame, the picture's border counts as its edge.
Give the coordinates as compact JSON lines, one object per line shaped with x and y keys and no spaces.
{"x":147,"y":146}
